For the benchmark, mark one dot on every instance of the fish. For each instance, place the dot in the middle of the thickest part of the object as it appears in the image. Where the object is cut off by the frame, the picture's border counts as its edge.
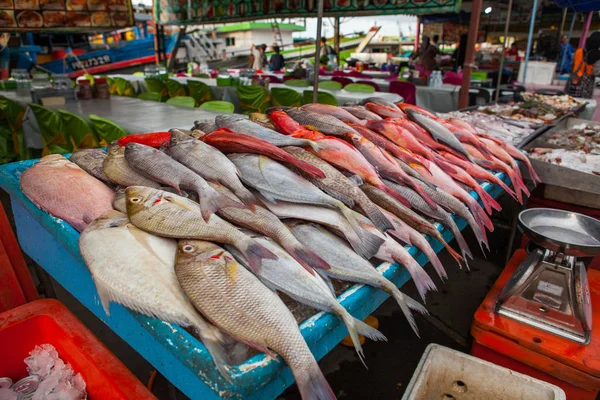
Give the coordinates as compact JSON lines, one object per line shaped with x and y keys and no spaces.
{"x":365,"y":243}
{"x":209,"y":163}
{"x":439,"y":132}
{"x":411,"y":218}
{"x":64,"y":190}
{"x":276,"y":182}
{"x":384,"y":111}
{"x":162,"y":168}
{"x":465,"y":133}
{"x":265,"y":222}
{"x":337,"y":112}
{"x":148,"y":284}
{"x":91,"y":160}
{"x":231,"y":142}
{"x":401,"y":137}
{"x":118,"y":170}
{"x":205,"y":126}
{"x":323,"y":123}
{"x":406,"y":106}
{"x":246,"y":127}
{"x":262,"y":120}
{"x":362,"y":113}
{"x":515,"y":153}
{"x":169,"y":215}
{"x":287,"y":276}
{"x":338,"y":186}
{"x":236,"y":301}
{"x":119,"y":201}
{"x":380,"y":101}
{"x":349,"y":266}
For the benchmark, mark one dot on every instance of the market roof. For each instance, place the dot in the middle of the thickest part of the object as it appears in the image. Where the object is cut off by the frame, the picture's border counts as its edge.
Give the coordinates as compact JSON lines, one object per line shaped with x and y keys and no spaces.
{"x":247,"y":26}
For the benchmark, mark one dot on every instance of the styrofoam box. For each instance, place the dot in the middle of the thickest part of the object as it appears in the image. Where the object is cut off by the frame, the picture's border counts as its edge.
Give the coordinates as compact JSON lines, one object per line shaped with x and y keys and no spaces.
{"x":446,"y":374}
{"x":538,"y":72}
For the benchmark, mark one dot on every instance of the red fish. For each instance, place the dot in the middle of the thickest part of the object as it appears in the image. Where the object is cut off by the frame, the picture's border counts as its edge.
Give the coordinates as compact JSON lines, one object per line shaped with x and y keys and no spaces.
{"x":405,"y":106}
{"x":155,"y":139}
{"x":401,"y":137}
{"x":503,"y":156}
{"x":465,"y":135}
{"x":384,"y":111}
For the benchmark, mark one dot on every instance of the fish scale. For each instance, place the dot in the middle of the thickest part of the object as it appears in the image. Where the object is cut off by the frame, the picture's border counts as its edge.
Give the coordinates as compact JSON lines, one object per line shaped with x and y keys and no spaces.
{"x":91,"y":160}
{"x":320,"y":122}
{"x":118,"y":170}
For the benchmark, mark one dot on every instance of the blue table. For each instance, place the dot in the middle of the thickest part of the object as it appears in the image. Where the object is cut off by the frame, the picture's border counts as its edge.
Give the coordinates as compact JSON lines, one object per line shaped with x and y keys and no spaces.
{"x":180,"y":357}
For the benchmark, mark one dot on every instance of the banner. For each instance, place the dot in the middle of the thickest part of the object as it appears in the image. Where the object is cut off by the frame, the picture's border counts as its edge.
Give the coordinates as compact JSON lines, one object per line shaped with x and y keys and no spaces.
{"x":180,"y":12}
{"x":64,"y":15}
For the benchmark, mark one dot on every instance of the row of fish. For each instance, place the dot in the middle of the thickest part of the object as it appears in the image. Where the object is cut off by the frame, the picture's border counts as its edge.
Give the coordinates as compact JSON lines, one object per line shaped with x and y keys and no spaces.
{"x":230,"y":212}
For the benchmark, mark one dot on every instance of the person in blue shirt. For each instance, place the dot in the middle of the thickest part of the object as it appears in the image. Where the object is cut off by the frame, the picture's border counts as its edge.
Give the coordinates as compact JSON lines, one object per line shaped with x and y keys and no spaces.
{"x":565,"y":59}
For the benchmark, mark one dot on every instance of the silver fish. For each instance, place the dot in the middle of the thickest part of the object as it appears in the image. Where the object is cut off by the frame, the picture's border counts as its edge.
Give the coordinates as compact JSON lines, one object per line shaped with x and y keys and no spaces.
{"x":91,"y":160}
{"x":205,"y":126}
{"x":319,"y":122}
{"x":118,"y":170}
{"x":337,"y":112}
{"x":362,"y":113}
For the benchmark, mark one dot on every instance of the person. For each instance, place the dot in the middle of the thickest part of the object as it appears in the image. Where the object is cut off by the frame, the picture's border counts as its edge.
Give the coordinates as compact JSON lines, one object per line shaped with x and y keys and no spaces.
{"x":251,"y":57}
{"x":257,"y":56}
{"x":513,"y":52}
{"x":263,"y":55}
{"x":327,"y":50}
{"x":586,"y":66}
{"x":563,"y":65}
{"x":277,"y":62}
{"x":460,"y":52}
{"x":428,"y":59}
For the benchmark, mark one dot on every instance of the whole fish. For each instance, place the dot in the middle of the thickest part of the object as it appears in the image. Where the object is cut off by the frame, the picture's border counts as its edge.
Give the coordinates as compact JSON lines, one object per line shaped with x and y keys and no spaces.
{"x":148,"y":284}
{"x":265,"y":222}
{"x":64,"y":190}
{"x":501,"y":154}
{"x":362,"y":113}
{"x":287,"y":276}
{"x":262,"y":120}
{"x":247,"y":127}
{"x":384,"y":111}
{"x":349,"y":266}
{"x":365,"y":243}
{"x":230,"y":142}
{"x":380,"y":101}
{"x":406,"y":106}
{"x":205,"y":126}
{"x":276,"y":182}
{"x":465,"y":133}
{"x":237,"y":302}
{"x":118,"y":170}
{"x":166,"y":214}
{"x":411,"y":218}
{"x":91,"y":160}
{"x":401,"y":137}
{"x":338,"y":186}
{"x":162,"y":168}
{"x":338,"y":112}
{"x":439,"y":132}
{"x":209,"y":163}
{"x":322,"y":123}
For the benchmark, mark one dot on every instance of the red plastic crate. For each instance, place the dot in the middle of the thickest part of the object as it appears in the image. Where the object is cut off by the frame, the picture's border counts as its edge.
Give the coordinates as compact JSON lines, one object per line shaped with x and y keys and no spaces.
{"x":49,"y":321}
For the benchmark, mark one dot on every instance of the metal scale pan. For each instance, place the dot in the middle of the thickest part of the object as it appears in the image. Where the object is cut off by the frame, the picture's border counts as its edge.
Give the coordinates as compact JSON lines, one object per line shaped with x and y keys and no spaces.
{"x":549,"y":290}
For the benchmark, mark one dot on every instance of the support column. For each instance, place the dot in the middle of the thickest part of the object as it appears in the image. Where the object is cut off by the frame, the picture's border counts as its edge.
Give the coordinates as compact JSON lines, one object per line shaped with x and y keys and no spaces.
{"x":586,"y":29}
{"x":336,"y":38}
{"x":317,"y":52}
{"x":417,"y":34}
{"x":470,"y":54}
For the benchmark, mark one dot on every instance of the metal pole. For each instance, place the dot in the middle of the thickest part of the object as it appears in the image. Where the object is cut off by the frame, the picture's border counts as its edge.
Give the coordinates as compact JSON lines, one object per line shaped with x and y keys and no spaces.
{"x":562,"y":24}
{"x":317,"y":52}
{"x":497,"y":93}
{"x":417,"y":34}
{"x":586,"y":29}
{"x":470,"y":54}
{"x":337,"y":38}
{"x":529,"y":39}
{"x":562,"y":62}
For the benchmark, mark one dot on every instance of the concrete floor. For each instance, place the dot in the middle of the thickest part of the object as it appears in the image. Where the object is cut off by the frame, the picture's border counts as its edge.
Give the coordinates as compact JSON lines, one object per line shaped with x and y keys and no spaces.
{"x":391,"y":364}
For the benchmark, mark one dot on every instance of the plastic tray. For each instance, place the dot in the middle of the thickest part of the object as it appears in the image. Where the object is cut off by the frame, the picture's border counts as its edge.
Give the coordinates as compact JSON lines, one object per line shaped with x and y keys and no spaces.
{"x":448,"y":374}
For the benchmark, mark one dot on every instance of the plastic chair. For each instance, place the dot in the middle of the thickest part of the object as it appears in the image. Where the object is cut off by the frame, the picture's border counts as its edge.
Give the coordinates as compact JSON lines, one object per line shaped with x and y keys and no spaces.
{"x":106,"y":130}
{"x":339,"y":73}
{"x":359,"y":87}
{"x":322,"y":98}
{"x":296,"y":83}
{"x":182,"y":101}
{"x":286,"y":97}
{"x":150,"y":96}
{"x":155,"y":85}
{"x":225,"y":81}
{"x":218,"y":106}
{"x":343,"y":81}
{"x":370,"y":83}
{"x":333,"y":85}
{"x":52,"y":129}
{"x":14,"y":114}
{"x":139,"y":73}
{"x":80,"y":132}
{"x":175,"y":88}
{"x":200,"y":91}
{"x":124,"y":87}
{"x":407,"y":90}
{"x":254,"y":99}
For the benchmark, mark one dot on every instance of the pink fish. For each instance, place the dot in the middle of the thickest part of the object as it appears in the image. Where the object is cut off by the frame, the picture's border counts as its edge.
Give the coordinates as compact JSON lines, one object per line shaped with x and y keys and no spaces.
{"x":503,"y":156}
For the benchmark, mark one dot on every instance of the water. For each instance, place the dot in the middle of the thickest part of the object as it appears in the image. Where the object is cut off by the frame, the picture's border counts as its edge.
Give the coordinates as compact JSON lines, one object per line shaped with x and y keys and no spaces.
{"x":566,"y":235}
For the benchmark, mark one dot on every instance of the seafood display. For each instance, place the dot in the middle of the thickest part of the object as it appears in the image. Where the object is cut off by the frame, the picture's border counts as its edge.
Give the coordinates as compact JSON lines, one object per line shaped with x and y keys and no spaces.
{"x":574,"y":159}
{"x":562,"y":102}
{"x":583,"y":137}
{"x":213,"y":225}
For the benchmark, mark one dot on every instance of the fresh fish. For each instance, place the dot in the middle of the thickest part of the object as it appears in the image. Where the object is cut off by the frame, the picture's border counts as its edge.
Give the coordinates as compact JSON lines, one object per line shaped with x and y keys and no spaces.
{"x":405,"y":107}
{"x":384,"y":111}
{"x":162,"y":168}
{"x":349,"y":266}
{"x":242,"y":306}
{"x":262,"y":120}
{"x":136,"y":269}
{"x":465,"y":133}
{"x":516,"y":153}
{"x":119,"y":201}
{"x":166,"y":214}
{"x":90,"y":160}
{"x":401,"y":137}
{"x":322,"y":123}
{"x":205,"y":126}
{"x":209,"y":163}
{"x":246,"y":127}
{"x":64,"y":190}
{"x":362,"y":113}
{"x":338,"y":112}
{"x":118,"y":170}
{"x":364,"y":243}
{"x":263,"y":221}
{"x":276,"y":182}
{"x":230,"y":142}
{"x":338,"y":186}
{"x":287,"y":276}
{"x":411,"y":218}
{"x":439,"y":132}
{"x":380,"y":101}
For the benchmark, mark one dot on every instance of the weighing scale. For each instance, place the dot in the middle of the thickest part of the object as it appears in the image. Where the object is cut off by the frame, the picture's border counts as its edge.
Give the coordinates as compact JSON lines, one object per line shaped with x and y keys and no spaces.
{"x":549,"y":290}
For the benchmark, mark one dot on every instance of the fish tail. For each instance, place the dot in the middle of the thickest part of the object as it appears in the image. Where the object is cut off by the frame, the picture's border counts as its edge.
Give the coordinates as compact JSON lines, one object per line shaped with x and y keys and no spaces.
{"x":247,"y":197}
{"x":426,"y":248}
{"x":504,"y":186}
{"x":479,"y":214}
{"x":422,"y":280}
{"x":479,"y":232}
{"x":491,"y":201}
{"x":219,"y":356}
{"x":452,"y":252}
{"x":375,"y":215}
{"x":368,"y":244}
{"x":312,"y":383}
{"x":534,"y":176}
{"x":254,"y":253}
{"x":351,"y":326}
{"x":212,"y":201}
{"x":307,"y":258}
{"x":464,"y":247}
{"x":406,"y":305}
{"x":515,"y":183}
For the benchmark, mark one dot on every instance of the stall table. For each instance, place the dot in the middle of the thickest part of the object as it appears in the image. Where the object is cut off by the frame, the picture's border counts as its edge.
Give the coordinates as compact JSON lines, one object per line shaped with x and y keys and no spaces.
{"x":441,"y":99}
{"x":342,"y":95}
{"x":382,"y":83}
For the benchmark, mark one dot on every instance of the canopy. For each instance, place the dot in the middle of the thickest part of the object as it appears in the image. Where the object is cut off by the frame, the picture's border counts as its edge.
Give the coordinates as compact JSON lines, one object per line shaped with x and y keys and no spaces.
{"x":579,"y":5}
{"x":221,"y":11}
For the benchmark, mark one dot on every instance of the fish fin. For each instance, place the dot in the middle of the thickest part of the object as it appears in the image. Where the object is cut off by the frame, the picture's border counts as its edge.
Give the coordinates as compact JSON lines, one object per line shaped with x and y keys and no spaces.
{"x":254,"y":253}
{"x":269,"y":197}
{"x":178,"y":203}
{"x":104,"y":296}
{"x":369,"y":243}
{"x":308,"y":258}
{"x":213,"y":201}
{"x":312,"y":384}
{"x":357,"y":180}
{"x":406,"y":304}
{"x":247,"y":198}
{"x":216,"y":349}
{"x":452,"y":252}
{"x":368,"y":331}
{"x":426,"y":248}
{"x":263,"y":349}
{"x":421,"y":279}
{"x":327,"y":281}
{"x":349,"y":321}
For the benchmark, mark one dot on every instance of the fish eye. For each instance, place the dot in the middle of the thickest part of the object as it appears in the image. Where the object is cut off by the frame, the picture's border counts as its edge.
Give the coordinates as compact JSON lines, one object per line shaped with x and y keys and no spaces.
{"x":135,"y":200}
{"x":188,"y":248}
